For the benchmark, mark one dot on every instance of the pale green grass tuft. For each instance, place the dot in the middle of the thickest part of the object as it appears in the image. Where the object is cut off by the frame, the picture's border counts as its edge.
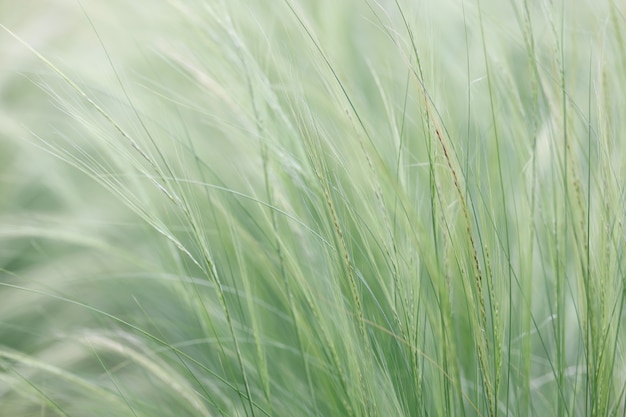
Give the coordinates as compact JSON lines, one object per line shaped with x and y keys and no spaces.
{"x":312,"y":208}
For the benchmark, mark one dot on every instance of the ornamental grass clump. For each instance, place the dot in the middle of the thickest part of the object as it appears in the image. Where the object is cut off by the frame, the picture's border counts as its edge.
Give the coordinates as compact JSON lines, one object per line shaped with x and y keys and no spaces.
{"x":312,"y":208}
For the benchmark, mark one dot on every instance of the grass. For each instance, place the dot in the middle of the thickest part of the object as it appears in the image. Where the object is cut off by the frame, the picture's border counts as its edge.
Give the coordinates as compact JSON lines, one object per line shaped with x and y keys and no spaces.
{"x":312,"y":208}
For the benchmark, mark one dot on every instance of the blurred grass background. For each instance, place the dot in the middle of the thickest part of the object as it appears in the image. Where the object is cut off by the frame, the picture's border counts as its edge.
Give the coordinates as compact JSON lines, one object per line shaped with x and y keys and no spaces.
{"x":325,"y":208}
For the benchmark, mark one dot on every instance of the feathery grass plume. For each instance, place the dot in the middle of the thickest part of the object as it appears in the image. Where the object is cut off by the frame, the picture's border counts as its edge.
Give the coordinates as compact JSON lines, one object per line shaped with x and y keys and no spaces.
{"x":312,"y":208}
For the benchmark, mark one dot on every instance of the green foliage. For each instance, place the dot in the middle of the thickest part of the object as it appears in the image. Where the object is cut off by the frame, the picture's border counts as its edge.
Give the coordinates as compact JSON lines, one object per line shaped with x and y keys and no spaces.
{"x":312,"y":208}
